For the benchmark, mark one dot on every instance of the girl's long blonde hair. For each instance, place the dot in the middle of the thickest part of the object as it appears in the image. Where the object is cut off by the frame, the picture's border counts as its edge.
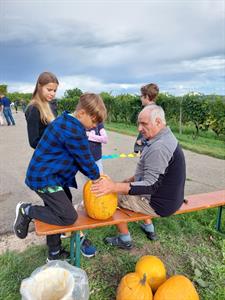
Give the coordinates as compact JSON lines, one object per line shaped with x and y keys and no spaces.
{"x":37,"y":99}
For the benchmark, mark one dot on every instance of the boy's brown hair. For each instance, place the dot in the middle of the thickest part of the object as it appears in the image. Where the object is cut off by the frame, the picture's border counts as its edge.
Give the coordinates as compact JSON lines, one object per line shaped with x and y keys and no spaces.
{"x":151,"y":90}
{"x":93,"y":105}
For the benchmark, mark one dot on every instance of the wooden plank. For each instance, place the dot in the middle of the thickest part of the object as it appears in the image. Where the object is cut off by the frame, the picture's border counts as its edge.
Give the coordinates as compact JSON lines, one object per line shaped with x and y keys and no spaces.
{"x":195,"y":202}
{"x":84,"y":222}
{"x":202,"y":201}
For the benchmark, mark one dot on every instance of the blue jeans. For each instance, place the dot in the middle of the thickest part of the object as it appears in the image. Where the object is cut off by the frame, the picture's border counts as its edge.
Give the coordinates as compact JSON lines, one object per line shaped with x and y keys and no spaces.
{"x":8,"y":115}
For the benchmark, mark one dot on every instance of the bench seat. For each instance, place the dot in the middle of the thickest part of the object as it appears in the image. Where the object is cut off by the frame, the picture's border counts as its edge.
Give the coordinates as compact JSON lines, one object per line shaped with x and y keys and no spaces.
{"x":192,"y":203}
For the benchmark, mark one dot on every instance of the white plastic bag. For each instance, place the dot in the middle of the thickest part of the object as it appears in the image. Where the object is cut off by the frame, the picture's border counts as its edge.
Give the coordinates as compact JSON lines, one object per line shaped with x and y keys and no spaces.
{"x":57,"y":280}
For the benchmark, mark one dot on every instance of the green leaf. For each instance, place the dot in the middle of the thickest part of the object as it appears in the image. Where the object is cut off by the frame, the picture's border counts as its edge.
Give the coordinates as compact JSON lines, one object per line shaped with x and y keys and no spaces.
{"x":201,"y":282}
{"x":198,"y":273}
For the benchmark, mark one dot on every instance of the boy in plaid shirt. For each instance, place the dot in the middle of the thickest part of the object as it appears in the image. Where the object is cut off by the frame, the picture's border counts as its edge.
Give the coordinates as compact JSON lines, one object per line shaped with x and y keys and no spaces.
{"x":62,"y":151}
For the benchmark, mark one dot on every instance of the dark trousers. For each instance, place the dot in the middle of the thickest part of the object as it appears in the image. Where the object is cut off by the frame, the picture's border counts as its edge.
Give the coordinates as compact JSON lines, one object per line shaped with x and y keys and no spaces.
{"x":58,"y":210}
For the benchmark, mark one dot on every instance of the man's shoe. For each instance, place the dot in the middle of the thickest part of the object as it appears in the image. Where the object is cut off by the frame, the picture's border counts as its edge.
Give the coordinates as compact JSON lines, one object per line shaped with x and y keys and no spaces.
{"x":86,"y":248}
{"x":150,"y":235}
{"x":116,"y":241}
{"x":22,"y":221}
{"x":62,"y":255}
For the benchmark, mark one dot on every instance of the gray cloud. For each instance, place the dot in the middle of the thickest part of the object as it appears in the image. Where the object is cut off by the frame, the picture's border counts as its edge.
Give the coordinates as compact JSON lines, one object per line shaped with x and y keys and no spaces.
{"x":119,"y":42}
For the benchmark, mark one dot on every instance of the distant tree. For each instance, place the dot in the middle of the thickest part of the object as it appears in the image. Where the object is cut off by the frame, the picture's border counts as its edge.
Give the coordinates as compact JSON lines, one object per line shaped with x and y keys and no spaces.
{"x":3,"y":89}
{"x":73,"y":93}
{"x":216,"y":119}
{"x":19,"y":96}
{"x":196,"y":110}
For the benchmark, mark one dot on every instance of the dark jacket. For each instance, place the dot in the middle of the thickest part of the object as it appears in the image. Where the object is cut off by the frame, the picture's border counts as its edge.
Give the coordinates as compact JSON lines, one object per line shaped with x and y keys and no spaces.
{"x":35,"y":127}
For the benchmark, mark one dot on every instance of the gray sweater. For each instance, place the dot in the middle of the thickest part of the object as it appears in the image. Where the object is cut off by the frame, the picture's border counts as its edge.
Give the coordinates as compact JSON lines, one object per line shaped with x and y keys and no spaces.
{"x":160,"y":173}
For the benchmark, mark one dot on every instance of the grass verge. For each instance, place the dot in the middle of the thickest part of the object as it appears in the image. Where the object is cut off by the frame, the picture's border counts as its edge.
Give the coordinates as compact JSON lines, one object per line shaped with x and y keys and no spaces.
{"x":188,"y":244}
{"x":207,"y":143}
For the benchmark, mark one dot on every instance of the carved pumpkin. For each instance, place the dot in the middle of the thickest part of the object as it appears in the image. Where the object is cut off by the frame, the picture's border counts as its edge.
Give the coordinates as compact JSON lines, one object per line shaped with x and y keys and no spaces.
{"x":133,"y":287}
{"x":177,"y":287}
{"x":154,"y":269}
{"x":100,"y":208}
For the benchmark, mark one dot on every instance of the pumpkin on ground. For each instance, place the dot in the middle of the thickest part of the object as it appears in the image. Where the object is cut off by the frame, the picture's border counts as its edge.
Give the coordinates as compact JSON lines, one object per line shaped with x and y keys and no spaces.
{"x":154,"y":269}
{"x":133,"y":287}
{"x":177,"y":287}
{"x":99,"y":208}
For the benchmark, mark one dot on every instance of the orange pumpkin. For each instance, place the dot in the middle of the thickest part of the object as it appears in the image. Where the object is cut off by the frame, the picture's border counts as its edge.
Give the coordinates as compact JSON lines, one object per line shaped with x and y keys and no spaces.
{"x":177,"y":287}
{"x":133,"y":287}
{"x":154,"y":269}
{"x":99,"y":208}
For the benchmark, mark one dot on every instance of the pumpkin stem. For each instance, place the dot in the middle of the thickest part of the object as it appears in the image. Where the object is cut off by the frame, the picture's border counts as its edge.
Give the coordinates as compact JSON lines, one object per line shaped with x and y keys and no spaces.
{"x":143,"y":280}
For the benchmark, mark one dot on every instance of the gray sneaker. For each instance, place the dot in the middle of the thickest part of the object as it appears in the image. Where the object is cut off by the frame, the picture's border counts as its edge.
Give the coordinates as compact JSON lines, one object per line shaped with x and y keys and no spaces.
{"x":116,"y":241}
{"x":22,"y":221}
{"x":150,"y":235}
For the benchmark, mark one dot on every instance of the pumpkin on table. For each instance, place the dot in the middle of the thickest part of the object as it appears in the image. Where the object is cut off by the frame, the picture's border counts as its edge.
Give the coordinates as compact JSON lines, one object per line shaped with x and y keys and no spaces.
{"x":177,"y":287}
{"x":99,"y":208}
{"x":134,"y":287}
{"x":154,"y":269}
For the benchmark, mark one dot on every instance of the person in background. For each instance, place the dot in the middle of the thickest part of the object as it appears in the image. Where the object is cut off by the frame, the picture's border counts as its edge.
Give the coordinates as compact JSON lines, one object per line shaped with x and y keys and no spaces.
{"x":96,"y":137}
{"x":149,"y":94}
{"x":61,"y":153}
{"x":39,"y":112}
{"x":23,"y":105}
{"x":1,"y":114}
{"x":16,"y":104}
{"x":7,"y":110}
{"x":157,"y":186}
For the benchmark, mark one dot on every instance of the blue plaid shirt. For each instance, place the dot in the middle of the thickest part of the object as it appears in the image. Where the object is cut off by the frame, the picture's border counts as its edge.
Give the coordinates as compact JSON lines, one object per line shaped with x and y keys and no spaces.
{"x":62,"y":151}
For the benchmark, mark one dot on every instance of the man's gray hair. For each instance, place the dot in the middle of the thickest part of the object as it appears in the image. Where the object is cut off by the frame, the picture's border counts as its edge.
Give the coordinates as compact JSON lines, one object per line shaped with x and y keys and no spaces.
{"x":155,"y":111}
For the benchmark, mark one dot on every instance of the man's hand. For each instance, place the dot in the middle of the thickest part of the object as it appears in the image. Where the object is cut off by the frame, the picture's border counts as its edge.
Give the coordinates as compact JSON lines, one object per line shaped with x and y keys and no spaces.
{"x":130,"y":179}
{"x":103,"y":187}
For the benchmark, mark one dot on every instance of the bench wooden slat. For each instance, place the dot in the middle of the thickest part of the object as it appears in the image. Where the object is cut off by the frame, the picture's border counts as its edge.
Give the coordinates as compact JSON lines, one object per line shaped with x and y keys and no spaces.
{"x":195,"y":202}
{"x":202,"y":201}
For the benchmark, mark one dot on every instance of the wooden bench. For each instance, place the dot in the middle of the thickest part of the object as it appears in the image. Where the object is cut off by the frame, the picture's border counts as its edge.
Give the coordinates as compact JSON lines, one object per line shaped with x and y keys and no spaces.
{"x":191,"y":203}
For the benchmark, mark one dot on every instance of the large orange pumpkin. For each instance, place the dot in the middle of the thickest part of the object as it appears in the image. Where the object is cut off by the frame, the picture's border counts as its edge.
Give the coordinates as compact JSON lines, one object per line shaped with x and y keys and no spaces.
{"x":154,"y":269}
{"x":133,"y":287}
{"x":99,"y":208}
{"x":177,"y":287}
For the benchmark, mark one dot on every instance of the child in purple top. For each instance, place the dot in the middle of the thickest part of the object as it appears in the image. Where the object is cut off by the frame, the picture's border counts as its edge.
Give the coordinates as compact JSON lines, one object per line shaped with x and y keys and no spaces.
{"x":96,"y":137}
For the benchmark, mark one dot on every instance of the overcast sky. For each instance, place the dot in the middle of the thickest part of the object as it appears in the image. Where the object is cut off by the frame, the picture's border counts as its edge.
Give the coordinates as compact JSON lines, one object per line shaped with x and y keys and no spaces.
{"x":114,"y":46}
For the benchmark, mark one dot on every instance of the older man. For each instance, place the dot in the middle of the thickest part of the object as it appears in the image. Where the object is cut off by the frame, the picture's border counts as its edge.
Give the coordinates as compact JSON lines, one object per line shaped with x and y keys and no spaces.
{"x":157,"y":188}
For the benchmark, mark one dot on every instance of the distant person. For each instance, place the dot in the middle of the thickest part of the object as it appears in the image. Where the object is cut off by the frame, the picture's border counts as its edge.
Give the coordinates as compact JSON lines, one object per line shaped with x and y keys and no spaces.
{"x":23,"y":105}
{"x":16,"y":104}
{"x":157,"y":186}
{"x":96,"y":137}
{"x":1,"y":114}
{"x":7,"y":110}
{"x":149,"y":94}
{"x":61,"y":153}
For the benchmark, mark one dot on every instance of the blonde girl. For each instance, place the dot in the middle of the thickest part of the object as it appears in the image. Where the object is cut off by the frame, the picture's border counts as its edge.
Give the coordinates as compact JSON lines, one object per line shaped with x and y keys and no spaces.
{"x":41,"y":110}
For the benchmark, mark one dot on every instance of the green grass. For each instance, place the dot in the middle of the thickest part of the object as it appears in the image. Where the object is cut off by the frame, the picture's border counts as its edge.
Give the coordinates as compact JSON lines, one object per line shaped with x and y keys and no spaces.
{"x":188,"y":244}
{"x":207,"y":143}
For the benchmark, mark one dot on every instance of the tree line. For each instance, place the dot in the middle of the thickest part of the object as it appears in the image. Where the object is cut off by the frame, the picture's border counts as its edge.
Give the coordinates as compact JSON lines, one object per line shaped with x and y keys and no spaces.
{"x":204,"y":111}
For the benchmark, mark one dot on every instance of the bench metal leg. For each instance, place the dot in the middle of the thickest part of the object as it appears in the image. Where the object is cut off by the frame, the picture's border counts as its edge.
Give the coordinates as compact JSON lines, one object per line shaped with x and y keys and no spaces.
{"x":75,"y":240}
{"x":77,"y":259}
{"x":219,"y":216}
{"x":72,"y":252}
